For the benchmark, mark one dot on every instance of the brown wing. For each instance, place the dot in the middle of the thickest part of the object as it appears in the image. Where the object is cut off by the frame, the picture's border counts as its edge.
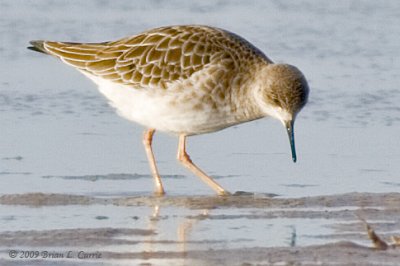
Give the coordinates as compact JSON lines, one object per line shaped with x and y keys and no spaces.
{"x":156,"y":57}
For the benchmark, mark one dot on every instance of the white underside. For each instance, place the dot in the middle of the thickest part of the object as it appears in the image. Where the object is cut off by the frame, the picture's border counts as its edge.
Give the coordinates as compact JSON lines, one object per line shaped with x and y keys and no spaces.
{"x":152,"y":108}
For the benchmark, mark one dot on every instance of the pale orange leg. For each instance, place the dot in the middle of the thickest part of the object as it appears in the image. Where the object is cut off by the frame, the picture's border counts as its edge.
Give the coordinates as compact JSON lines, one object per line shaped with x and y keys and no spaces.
{"x":147,"y":140}
{"x":184,"y":158}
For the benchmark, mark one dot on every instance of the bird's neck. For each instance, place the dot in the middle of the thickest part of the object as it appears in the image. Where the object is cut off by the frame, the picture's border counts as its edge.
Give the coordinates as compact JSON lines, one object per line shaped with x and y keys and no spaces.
{"x":244,"y":104}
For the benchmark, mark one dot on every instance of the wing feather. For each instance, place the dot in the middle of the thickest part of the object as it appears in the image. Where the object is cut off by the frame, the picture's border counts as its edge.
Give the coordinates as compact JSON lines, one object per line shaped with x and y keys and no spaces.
{"x":159,"y":56}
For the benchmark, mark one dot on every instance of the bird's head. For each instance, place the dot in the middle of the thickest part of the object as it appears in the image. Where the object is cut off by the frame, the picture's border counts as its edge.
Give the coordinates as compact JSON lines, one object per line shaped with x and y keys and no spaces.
{"x":282,"y":92}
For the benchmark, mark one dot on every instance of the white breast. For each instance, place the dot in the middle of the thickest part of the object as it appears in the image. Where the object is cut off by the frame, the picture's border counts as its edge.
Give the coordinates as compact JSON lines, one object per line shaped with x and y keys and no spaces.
{"x":161,"y":109}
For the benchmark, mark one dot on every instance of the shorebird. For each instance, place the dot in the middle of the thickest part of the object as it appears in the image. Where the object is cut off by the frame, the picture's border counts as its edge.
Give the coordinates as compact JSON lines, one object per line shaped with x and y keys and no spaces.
{"x":187,"y":80}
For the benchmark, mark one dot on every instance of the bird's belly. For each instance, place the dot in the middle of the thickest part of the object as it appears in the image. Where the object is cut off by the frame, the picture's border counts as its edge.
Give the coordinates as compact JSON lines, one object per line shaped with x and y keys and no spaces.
{"x":165,"y":110}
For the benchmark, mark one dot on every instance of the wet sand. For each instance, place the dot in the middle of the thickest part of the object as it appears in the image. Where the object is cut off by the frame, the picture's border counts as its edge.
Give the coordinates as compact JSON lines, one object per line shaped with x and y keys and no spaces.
{"x":349,"y":244}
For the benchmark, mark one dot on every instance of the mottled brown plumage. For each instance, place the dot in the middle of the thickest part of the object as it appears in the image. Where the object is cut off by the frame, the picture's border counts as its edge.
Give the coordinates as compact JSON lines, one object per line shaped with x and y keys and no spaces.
{"x":159,"y":56}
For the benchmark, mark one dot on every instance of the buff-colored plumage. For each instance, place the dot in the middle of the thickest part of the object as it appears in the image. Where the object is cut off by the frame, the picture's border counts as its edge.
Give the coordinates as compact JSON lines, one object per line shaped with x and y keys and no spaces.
{"x":187,"y":80}
{"x":160,"y":56}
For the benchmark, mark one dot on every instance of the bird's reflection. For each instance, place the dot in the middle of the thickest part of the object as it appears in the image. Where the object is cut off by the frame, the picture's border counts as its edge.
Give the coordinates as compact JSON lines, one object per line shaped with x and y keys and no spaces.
{"x":184,"y":228}
{"x":152,"y":226}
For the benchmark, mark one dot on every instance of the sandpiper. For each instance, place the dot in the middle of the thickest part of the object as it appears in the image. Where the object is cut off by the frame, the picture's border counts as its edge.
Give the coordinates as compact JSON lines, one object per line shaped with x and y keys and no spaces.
{"x":187,"y":80}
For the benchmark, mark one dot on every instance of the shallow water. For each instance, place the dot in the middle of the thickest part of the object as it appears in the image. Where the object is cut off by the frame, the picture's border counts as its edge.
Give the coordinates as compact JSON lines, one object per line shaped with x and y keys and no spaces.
{"x":58,"y":135}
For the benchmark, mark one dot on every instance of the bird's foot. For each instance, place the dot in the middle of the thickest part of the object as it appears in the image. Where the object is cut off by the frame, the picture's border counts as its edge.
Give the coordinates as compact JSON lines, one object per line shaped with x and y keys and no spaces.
{"x":224,"y":193}
{"x":159,"y":193}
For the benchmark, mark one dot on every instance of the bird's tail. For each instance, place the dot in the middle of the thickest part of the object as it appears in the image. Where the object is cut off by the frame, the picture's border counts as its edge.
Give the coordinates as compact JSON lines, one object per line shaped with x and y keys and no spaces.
{"x":37,"y":46}
{"x":83,"y":56}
